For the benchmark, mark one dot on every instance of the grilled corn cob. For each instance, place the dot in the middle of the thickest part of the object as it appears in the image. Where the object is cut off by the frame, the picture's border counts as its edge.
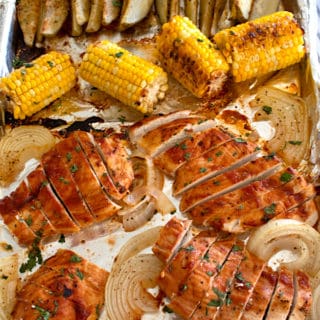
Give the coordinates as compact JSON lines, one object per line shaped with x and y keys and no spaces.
{"x":192,"y":58}
{"x":37,"y":84}
{"x":263,"y":45}
{"x":132,"y":80}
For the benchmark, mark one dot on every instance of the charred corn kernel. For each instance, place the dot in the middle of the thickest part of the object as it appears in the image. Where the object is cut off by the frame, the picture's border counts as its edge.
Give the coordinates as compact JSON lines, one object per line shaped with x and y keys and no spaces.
{"x":192,"y":58}
{"x":263,"y":45}
{"x":26,"y":89}
{"x":126,"y":77}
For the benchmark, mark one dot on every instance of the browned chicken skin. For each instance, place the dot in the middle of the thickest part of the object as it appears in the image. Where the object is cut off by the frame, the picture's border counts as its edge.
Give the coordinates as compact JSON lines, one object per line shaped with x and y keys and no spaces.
{"x":229,"y":282}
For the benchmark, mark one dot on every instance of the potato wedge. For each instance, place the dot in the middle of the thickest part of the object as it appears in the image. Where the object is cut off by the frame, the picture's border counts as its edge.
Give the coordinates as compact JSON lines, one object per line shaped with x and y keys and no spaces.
{"x":28,"y":16}
{"x":174,"y":8}
{"x":8,"y":284}
{"x":261,"y":8}
{"x":240,"y":9}
{"x":95,"y":18}
{"x":82,"y":8}
{"x":191,"y":10}
{"x":76,"y":29}
{"x":226,"y":20}
{"x":206,"y":15}
{"x":133,"y":11}
{"x":217,"y":12}
{"x":39,"y":35}
{"x":162,"y":8}
{"x":111,"y":10}
{"x":54,"y":15}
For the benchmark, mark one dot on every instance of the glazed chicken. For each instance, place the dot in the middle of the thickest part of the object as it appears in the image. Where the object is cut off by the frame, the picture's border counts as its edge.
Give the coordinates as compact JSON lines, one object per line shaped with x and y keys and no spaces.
{"x":221,"y":179}
{"x":214,"y":276}
{"x":78,"y":182}
{"x":65,"y":287}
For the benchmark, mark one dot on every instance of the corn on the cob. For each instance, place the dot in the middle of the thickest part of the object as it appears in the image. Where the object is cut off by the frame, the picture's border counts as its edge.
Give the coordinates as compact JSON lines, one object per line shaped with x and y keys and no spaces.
{"x":37,"y":84}
{"x":132,"y":80}
{"x":263,"y":45}
{"x":192,"y":58}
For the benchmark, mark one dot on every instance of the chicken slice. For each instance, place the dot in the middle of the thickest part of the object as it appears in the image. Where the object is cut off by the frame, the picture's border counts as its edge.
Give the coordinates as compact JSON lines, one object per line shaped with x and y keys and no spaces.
{"x":199,"y":282}
{"x":100,"y":206}
{"x":261,"y":296}
{"x":306,"y":212}
{"x":116,"y":159}
{"x":97,"y":164}
{"x":234,"y":202}
{"x":303,"y":297}
{"x":32,"y":214}
{"x":166,"y":136}
{"x":60,"y":177}
{"x":142,"y":127}
{"x":216,"y":161}
{"x":173,"y":277}
{"x":273,"y":203}
{"x":18,"y":227}
{"x":21,"y":195}
{"x":220,"y":290}
{"x":228,"y":181}
{"x":171,"y":237}
{"x":245,"y":280}
{"x":192,"y":147}
{"x":51,"y":205}
{"x":282,"y":298}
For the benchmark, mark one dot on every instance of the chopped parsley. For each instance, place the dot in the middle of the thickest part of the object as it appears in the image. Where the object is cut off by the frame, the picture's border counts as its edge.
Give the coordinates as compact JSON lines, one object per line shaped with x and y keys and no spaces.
{"x":119,"y":54}
{"x":69,"y":156}
{"x":189,"y":248}
{"x":77,"y":148}
{"x":187,"y":155}
{"x":206,"y":256}
{"x":295,"y":143}
{"x":79,"y":274}
{"x":200,"y":40}
{"x":202,"y":170}
{"x":117,"y":3}
{"x":34,"y":255}
{"x":270,"y":209}
{"x":209,"y":273}
{"x":240,"y":278}
{"x":236,"y":248}
{"x":167,"y":309}
{"x":219,"y":153}
{"x":286,"y":177}
{"x":183,"y":146}
{"x":267,"y":109}
{"x":63,"y":180}
{"x":74,"y":168}
{"x":240,"y":140}
{"x":29,"y":221}
{"x":50,"y":63}
{"x":44,"y":314}
{"x":62,"y":238}
{"x":75,"y":258}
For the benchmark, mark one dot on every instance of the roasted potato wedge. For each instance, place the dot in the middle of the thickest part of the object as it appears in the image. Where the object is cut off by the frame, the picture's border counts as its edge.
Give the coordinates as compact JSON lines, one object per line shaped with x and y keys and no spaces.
{"x":76,"y":29}
{"x":133,"y":11}
{"x":226,"y":20}
{"x":55,"y":13}
{"x":28,"y":17}
{"x":206,"y":15}
{"x":217,"y":12}
{"x":95,"y":18}
{"x":111,"y":10}
{"x":162,"y":8}
{"x":191,"y":10}
{"x":82,"y":8}
{"x":261,"y":8}
{"x":240,"y":10}
{"x":174,"y":8}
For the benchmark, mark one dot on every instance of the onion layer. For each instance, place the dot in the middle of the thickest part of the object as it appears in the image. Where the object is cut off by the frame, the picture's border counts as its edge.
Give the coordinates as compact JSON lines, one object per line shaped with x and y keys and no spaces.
{"x":20,"y":145}
{"x":132,"y":274}
{"x":8,"y":284}
{"x":288,"y":115}
{"x":285,"y":234}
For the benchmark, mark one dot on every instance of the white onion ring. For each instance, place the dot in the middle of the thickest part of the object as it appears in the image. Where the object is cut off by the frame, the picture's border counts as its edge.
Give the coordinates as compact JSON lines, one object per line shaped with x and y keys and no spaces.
{"x":285,"y":234}
{"x":140,"y":216}
{"x":20,"y":145}
{"x":136,"y":244}
{"x":163,"y":203}
{"x":126,"y":291}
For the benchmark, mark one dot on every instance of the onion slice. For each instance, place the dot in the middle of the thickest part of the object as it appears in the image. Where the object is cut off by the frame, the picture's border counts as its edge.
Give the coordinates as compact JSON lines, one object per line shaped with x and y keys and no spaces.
{"x":8,"y":284}
{"x":284,"y":234}
{"x":136,"y":244}
{"x":126,"y":291}
{"x":20,"y":145}
{"x":288,"y":115}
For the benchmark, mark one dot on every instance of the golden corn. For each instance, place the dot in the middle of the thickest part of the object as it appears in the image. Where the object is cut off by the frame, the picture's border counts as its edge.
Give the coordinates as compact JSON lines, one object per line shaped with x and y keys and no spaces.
{"x":35,"y":85}
{"x":192,"y":58}
{"x":263,"y":45}
{"x":132,"y":80}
